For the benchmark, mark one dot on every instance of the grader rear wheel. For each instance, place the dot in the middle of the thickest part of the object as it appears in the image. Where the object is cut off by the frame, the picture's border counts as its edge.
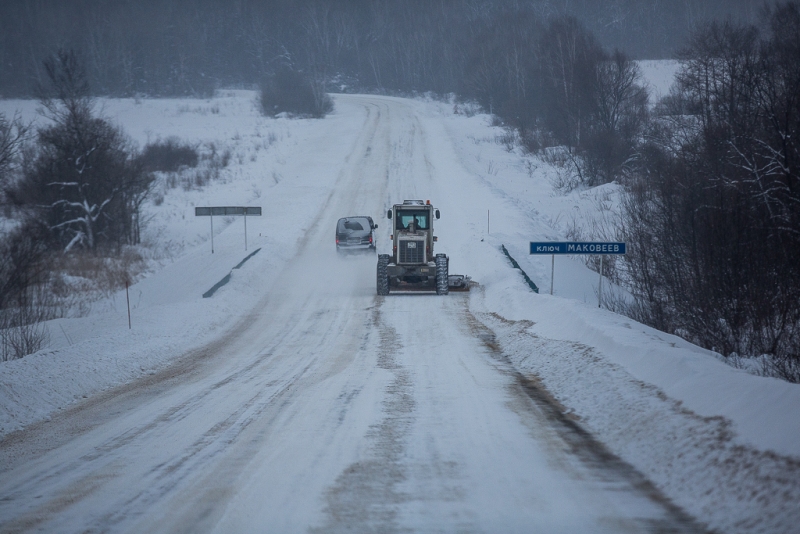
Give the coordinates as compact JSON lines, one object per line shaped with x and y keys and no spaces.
{"x":442,"y":268}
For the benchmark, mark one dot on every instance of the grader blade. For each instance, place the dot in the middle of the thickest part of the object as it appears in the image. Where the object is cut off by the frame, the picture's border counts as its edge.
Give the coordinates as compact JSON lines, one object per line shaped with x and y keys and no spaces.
{"x":458,"y":282}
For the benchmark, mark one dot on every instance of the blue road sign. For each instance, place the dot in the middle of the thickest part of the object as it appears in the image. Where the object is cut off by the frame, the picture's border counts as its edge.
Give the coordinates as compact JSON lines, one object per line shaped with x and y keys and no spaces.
{"x":574,"y":247}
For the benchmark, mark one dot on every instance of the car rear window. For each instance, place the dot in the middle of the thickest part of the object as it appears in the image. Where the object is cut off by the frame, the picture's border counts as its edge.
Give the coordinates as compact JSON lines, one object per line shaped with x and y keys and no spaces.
{"x":350,"y":225}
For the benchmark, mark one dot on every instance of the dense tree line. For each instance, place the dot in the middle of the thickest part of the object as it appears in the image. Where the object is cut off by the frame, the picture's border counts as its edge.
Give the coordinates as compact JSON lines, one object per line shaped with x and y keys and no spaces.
{"x":191,"y":47}
{"x":558,"y":87}
{"x":714,"y":212}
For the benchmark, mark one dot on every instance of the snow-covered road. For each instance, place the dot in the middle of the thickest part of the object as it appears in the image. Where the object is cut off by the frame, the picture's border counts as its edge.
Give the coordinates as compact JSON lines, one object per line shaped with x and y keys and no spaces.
{"x":326,"y":408}
{"x":297,"y":400}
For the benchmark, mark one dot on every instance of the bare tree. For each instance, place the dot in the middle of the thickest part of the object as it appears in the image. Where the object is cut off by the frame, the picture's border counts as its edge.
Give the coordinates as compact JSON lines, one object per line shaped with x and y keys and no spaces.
{"x":569,"y":55}
{"x":618,"y":116}
{"x":619,"y":94}
{"x":713,"y":219}
{"x":24,"y":297}
{"x":13,"y":133}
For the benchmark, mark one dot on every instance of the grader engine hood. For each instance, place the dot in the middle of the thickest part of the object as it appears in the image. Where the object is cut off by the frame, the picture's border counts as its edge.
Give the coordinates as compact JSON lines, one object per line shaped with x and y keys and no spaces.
{"x":411,"y":249}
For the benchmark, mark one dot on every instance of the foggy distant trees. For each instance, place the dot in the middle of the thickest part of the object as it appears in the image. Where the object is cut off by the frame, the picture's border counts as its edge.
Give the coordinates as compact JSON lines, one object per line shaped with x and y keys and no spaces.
{"x":570,"y":59}
{"x":714,"y":216}
{"x":554,"y":83}
{"x":295,"y":93}
{"x":192,"y":47}
{"x":502,"y":64}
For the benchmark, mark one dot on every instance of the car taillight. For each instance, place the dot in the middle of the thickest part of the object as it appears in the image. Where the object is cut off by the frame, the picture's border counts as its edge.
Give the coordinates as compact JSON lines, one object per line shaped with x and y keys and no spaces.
{"x":370,"y":240}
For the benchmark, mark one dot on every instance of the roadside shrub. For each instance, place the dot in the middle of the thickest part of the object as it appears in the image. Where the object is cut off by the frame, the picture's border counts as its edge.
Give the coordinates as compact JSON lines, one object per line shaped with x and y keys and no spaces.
{"x":24,"y":299}
{"x":292,"y":92}
{"x":168,"y":155}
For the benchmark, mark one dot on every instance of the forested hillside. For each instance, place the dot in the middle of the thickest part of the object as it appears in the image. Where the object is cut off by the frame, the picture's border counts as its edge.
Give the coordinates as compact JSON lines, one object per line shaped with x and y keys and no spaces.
{"x":191,"y":47}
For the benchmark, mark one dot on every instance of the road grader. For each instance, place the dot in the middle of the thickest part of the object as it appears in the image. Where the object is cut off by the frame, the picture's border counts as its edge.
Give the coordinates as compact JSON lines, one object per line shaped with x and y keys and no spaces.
{"x":413,"y":266}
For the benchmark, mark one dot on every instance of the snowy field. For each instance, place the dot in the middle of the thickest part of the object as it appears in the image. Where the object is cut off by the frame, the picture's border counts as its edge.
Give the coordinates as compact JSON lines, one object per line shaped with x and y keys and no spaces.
{"x":718,"y":443}
{"x":659,"y":74}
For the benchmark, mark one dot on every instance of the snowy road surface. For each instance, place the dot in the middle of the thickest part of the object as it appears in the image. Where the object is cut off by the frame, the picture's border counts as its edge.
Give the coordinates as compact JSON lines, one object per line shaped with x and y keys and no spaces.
{"x":326,"y":408}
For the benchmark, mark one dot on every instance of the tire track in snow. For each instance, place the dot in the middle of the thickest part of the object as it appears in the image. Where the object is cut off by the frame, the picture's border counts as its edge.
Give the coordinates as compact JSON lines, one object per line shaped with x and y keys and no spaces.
{"x":365,"y":495}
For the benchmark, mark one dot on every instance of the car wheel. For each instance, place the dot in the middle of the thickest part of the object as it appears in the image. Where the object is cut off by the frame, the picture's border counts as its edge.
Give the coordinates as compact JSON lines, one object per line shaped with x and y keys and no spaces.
{"x":383,"y":274}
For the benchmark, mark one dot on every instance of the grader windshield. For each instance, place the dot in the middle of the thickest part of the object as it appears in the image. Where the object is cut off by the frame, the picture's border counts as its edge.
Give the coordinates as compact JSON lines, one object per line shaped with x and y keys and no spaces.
{"x":419,"y":217}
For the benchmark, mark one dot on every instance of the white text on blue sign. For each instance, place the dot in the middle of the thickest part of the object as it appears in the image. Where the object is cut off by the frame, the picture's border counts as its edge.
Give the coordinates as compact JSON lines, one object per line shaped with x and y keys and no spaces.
{"x":577,"y":248}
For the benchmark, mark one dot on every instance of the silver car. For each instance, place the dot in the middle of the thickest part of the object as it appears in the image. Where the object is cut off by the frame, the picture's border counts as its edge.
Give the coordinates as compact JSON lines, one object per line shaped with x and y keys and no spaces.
{"x":355,"y":233}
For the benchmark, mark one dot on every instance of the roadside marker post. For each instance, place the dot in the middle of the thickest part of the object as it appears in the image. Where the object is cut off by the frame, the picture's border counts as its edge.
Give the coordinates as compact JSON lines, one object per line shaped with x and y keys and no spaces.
{"x":578,"y":247}
{"x":210,"y":211}
{"x":128,"y":301}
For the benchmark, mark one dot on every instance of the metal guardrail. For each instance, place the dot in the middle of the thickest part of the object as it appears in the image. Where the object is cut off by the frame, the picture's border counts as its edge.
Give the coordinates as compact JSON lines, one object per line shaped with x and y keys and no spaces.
{"x":532,"y":285}
{"x":227,"y":277}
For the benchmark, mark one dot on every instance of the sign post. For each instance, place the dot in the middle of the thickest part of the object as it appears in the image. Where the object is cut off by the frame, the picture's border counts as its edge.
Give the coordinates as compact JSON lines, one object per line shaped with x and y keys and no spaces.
{"x":578,"y":247}
{"x":226,"y":210}
{"x":600,"y":282}
{"x":128,"y":301}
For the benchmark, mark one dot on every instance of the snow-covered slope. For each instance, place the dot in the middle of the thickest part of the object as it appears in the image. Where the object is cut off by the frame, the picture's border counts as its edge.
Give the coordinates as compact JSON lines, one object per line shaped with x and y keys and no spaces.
{"x":659,"y":75}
